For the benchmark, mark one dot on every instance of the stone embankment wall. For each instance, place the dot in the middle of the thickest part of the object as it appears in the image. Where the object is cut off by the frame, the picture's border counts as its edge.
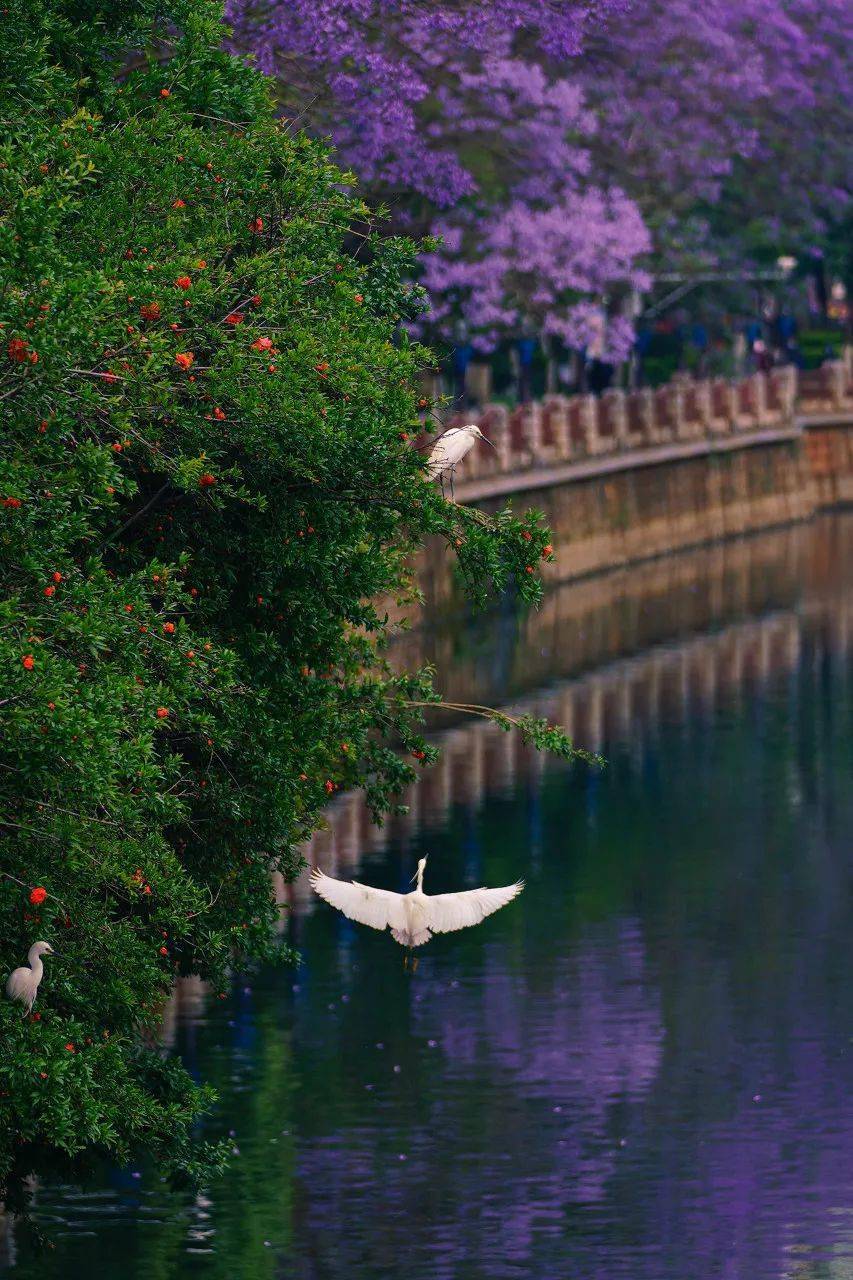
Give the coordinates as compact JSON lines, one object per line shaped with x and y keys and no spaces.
{"x":629,"y":476}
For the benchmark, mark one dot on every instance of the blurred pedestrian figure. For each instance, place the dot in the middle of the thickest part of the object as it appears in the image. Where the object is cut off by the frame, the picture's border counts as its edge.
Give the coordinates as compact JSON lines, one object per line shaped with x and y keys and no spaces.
{"x":699,"y":341}
{"x":525,"y":350}
{"x":642,"y":343}
{"x":762,"y":357}
{"x":793,"y":354}
{"x":599,"y":375}
{"x":816,"y":289}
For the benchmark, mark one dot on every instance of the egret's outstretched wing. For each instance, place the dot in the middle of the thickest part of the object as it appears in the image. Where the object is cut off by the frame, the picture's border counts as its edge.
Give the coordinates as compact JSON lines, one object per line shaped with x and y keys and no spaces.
{"x":375,"y":907}
{"x":449,"y":911}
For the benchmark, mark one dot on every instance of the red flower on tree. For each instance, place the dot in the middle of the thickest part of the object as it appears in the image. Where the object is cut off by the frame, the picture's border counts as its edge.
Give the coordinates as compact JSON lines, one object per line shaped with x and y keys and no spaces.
{"x":206,"y":480}
{"x":162,"y":713}
{"x":150,"y":311}
{"x":262,"y":344}
{"x":183,"y":282}
{"x":257,"y":224}
{"x":234,"y":318}
{"x":18,"y":351}
{"x":38,"y":895}
{"x":184,"y":359}
{"x":28,"y":662}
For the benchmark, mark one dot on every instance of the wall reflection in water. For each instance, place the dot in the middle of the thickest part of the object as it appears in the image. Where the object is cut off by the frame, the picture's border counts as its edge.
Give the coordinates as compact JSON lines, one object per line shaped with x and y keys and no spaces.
{"x":642,"y":1068}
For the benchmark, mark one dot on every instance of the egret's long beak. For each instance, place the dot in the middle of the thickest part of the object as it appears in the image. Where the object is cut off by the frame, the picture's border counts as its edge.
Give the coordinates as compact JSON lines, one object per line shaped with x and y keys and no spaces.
{"x":488,"y":442}
{"x":414,"y":878}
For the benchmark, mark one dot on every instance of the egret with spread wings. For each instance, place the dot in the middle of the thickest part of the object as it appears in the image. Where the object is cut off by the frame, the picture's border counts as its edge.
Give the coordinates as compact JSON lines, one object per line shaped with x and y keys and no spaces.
{"x":412,"y":917}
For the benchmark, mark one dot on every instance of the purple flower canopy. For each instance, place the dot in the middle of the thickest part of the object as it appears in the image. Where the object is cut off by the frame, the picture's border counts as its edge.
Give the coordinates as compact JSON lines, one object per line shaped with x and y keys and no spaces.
{"x":561,"y":150}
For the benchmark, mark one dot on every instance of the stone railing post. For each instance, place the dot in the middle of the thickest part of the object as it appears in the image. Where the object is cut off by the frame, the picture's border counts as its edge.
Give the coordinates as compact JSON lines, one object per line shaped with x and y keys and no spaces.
{"x":663,"y":428}
{"x":847,"y":363}
{"x":639,"y":408}
{"x":531,"y":430}
{"x":613,"y":403}
{"x":704,"y":405}
{"x":680,"y":429}
{"x":518,"y":457}
{"x":836,"y":378}
{"x":557,"y":408}
{"x":784,"y":382}
{"x":692,"y":423}
{"x":759,"y":398}
{"x":736,"y":417}
{"x":721,"y":414}
{"x":646,"y":402}
{"x":589,"y":418}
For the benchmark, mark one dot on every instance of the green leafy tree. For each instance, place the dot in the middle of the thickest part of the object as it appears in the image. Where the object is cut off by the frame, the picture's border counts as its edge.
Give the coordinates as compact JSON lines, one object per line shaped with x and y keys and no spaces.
{"x":207,"y":480}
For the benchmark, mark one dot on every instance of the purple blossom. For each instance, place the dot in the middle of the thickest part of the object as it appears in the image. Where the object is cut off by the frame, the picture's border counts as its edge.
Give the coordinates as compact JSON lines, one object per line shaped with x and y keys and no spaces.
{"x":558,"y":149}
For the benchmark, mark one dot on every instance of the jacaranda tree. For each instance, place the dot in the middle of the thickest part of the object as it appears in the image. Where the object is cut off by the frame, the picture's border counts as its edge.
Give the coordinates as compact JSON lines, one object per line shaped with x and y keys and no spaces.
{"x":207,"y":483}
{"x":467,"y":117}
{"x":563,"y":150}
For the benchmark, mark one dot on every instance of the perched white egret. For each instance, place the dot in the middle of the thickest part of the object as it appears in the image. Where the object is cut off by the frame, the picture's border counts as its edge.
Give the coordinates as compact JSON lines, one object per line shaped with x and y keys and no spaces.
{"x":449,"y":450}
{"x":23,"y":984}
{"x":412,"y":917}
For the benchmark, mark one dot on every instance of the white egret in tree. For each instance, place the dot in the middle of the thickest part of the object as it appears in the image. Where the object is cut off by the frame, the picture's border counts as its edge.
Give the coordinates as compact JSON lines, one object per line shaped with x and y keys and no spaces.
{"x":412,"y":917}
{"x":449,"y":450}
{"x":23,"y":984}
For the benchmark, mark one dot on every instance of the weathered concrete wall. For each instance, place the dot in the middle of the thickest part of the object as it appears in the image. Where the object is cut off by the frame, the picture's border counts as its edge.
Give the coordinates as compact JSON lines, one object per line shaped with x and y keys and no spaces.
{"x":643,"y":511}
{"x":646,"y":508}
{"x":828,"y":447}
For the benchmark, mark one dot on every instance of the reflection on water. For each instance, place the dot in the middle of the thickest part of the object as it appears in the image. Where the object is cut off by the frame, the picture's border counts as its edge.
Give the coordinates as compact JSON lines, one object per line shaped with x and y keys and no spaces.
{"x":642,"y":1068}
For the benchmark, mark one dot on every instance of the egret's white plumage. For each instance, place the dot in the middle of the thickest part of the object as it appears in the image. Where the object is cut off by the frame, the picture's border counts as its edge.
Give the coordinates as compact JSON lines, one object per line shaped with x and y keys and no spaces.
{"x":449,"y":450}
{"x":412,"y":917}
{"x":23,"y":984}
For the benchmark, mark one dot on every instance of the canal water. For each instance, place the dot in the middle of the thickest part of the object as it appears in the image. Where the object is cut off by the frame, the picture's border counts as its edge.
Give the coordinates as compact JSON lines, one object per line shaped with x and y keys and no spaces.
{"x":643,"y":1067}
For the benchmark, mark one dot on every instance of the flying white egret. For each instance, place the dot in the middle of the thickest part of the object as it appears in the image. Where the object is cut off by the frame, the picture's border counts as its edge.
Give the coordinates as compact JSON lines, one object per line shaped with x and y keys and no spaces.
{"x":23,"y":984}
{"x":449,"y":450}
{"x":412,"y":917}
